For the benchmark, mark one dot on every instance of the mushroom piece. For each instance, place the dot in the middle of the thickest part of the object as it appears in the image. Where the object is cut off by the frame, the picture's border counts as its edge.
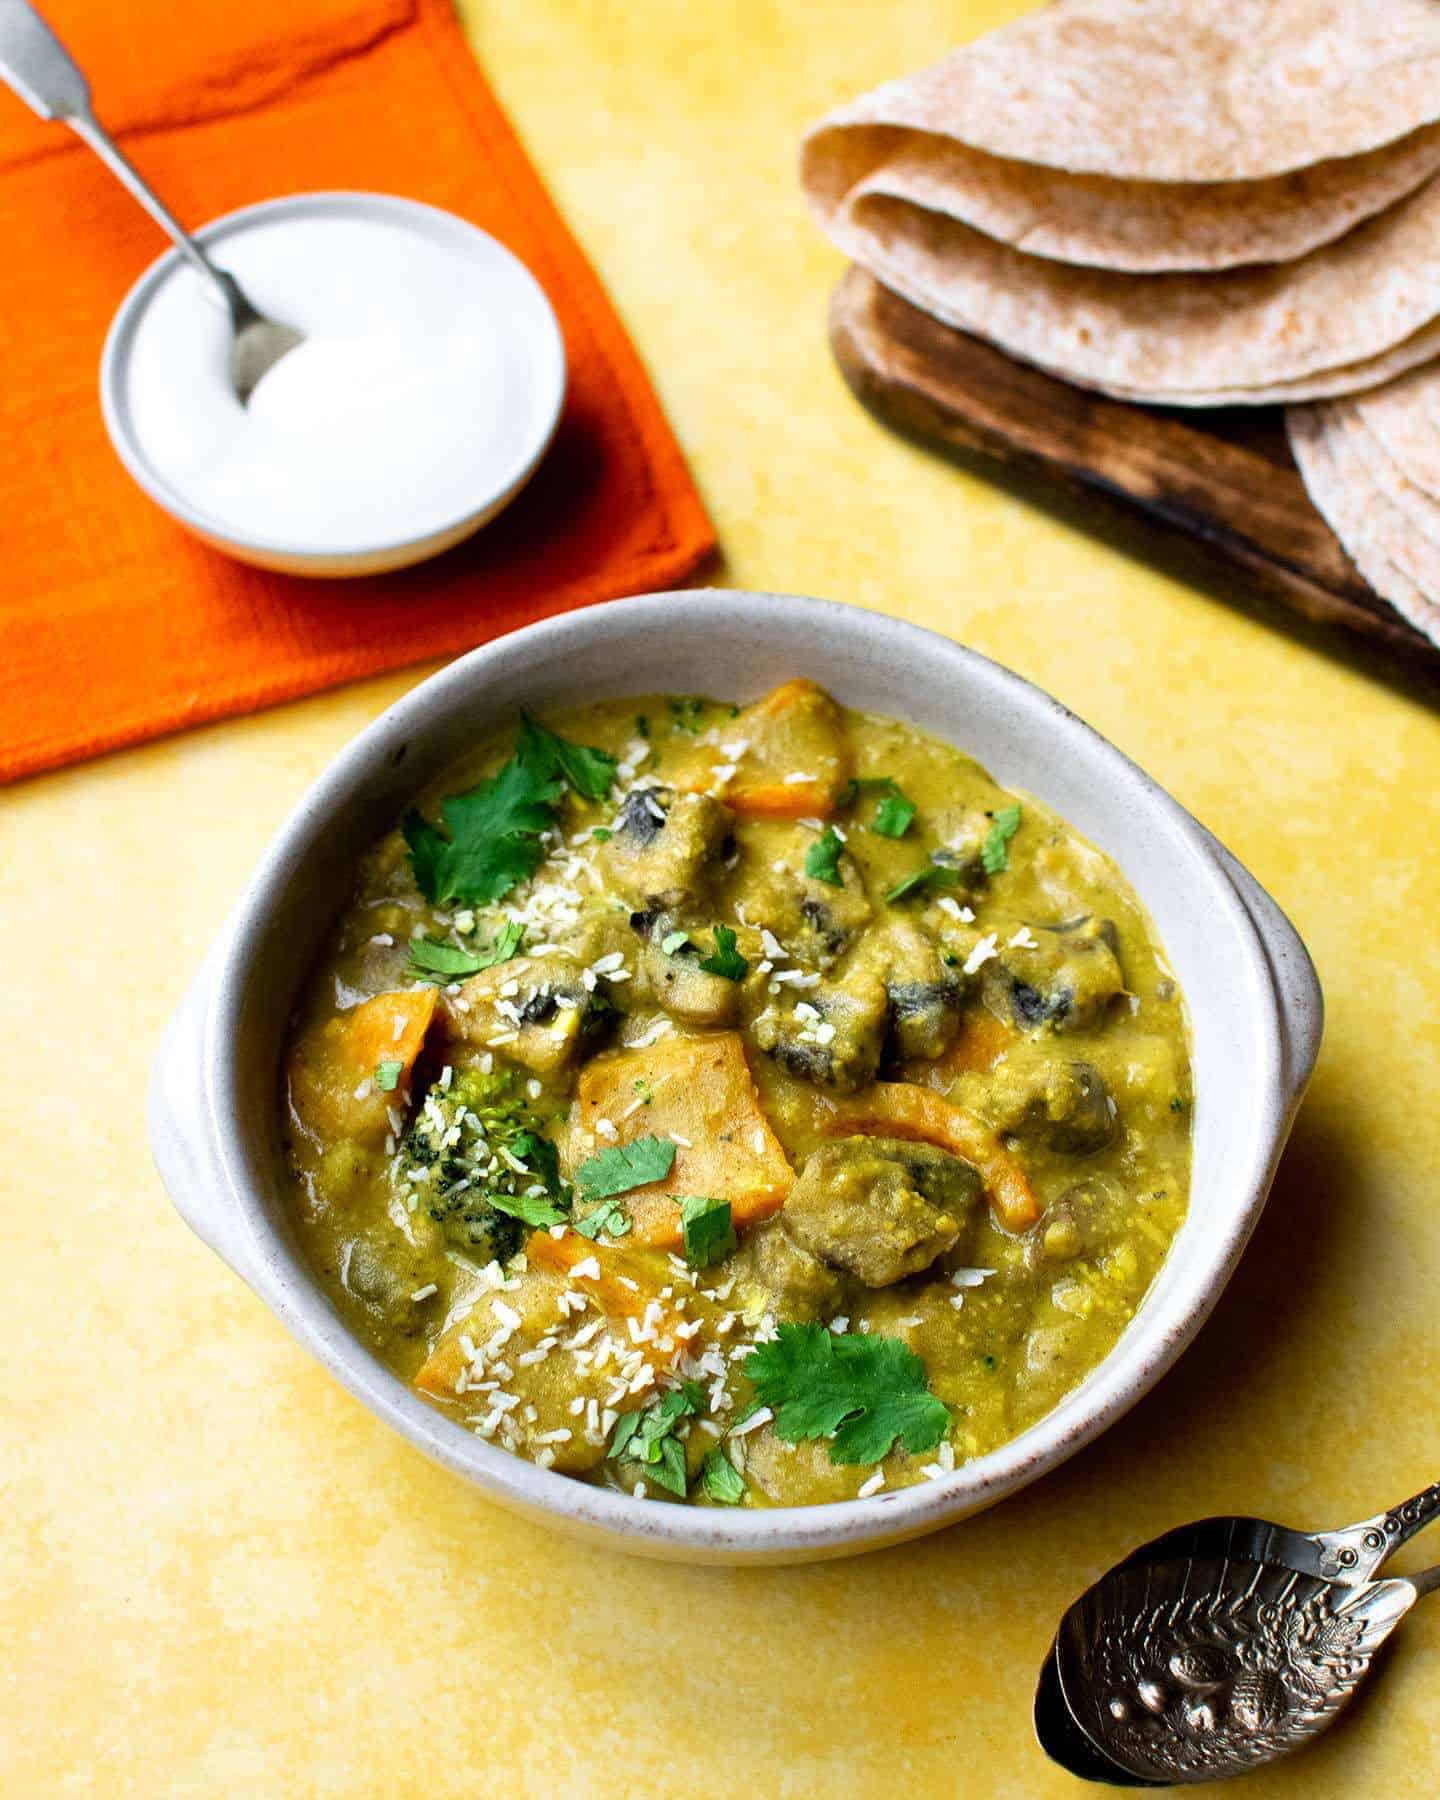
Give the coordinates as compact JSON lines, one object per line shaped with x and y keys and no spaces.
{"x":665,"y":846}
{"x":832,"y":1034}
{"x":1064,"y":978}
{"x":881,"y":1208}
{"x":1042,"y":1098}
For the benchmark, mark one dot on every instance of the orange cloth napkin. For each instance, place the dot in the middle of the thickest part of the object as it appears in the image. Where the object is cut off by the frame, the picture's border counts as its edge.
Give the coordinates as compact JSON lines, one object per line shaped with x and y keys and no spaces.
{"x":117,"y":625}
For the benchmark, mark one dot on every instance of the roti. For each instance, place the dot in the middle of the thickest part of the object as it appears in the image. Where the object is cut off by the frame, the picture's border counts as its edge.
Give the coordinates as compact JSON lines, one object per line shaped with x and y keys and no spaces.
{"x":1179,"y":336}
{"x":1102,"y":221}
{"x":1170,"y":90}
{"x":1399,"y":562}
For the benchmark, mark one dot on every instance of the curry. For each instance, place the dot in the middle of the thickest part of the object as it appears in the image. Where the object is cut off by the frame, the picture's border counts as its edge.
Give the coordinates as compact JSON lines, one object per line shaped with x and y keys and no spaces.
{"x":743,"y":1106}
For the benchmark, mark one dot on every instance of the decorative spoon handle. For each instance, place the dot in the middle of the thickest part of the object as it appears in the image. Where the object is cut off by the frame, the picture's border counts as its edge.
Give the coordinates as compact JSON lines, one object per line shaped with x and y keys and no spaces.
{"x":47,"y":78}
{"x":1362,"y":1549}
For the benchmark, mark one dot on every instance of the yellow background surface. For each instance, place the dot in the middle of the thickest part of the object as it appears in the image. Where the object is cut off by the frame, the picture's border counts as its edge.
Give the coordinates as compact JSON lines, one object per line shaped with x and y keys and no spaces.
{"x":220,"y":1576}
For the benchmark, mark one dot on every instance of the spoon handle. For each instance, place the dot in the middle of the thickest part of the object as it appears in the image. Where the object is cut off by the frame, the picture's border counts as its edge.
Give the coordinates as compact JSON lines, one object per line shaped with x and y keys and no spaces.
{"x":47,"y":78}
{"x":1360,"y":1550}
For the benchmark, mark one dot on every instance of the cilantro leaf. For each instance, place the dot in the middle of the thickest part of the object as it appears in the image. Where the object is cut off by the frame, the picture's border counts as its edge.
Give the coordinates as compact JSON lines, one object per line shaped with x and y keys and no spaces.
{"x":620,"y":1167}
{"x":994,"y":852}
{"x":432,"y":959}
{"x":727,"y":960}
{"x":721,"y":1480}
{"x":535,"y":1149}
{"x":709,"y":1233}
{"x":822,"y":859}
{"x":927,"y":875}
{"x":491,"y":839}
{"x":610,"y":1217}
{"x":894,"y":814}
{"x":387,"y":1075}
{"x":589,"y":771}
{"x":535,"y":1210}
{"x":864,"y":1391}
{"x":649,"y":1437}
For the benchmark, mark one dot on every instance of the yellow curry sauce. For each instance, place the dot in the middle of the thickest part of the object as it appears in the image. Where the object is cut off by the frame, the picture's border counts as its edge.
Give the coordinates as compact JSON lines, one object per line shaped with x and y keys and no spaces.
{"x":753,"y":1107}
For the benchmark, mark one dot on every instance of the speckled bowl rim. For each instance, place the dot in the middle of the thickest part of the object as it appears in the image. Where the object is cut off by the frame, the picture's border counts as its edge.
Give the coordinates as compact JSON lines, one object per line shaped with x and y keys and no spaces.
{"x":441,"y":533}
{"x":218,"y":1176}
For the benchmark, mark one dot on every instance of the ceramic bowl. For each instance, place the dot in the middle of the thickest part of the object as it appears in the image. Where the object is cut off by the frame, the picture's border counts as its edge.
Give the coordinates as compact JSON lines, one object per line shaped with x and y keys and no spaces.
{"x":1254,"y":1003}
{"x":494,"y":293}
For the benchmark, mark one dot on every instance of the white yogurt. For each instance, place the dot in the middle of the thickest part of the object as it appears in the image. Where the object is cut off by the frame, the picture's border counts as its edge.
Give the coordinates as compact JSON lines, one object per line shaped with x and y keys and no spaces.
{"x":426,"y":389}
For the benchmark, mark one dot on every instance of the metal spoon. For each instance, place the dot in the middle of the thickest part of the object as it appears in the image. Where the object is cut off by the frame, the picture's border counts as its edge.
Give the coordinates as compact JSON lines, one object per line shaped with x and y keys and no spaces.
{"x":43,"y":73}
{"x":1098,"y":1748}
{"x":1193,"y":1669}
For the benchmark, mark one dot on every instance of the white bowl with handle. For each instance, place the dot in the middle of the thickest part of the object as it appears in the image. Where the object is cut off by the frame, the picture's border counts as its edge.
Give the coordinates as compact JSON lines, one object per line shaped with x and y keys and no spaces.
{"x":1254,"y":1002}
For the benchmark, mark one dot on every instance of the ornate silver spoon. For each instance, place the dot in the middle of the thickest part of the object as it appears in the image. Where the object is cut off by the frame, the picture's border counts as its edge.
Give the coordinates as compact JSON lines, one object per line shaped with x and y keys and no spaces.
{"x":1348,"y":1556}
{"x":44,"y":74}
{"x":1190,"y":1669}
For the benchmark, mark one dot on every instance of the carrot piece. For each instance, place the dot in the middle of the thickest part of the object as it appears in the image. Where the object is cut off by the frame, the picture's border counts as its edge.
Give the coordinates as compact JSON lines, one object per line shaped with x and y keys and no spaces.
{"x":979,"y":1044}
{"x":702,"y":1095}
{"x":903,"y":1109}
{"x":333,"y":1067}
{"x":793,"y":800}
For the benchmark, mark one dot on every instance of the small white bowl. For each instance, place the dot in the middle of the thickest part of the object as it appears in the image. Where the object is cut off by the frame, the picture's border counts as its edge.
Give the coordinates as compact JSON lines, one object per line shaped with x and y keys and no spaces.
{"x":1254,"y":1002}
{"x":502,"y":298}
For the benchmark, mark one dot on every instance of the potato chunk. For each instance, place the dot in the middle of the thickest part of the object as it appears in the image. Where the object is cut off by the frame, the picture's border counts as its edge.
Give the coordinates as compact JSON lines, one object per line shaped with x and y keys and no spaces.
{"x":699,"y":1092}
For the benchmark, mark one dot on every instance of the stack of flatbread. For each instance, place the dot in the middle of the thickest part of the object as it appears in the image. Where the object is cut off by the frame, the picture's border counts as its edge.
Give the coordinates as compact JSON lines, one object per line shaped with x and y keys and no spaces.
{"x":1191,"y":204}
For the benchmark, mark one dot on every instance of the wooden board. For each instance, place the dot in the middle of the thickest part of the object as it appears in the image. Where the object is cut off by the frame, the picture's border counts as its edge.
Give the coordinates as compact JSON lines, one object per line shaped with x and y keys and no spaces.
{"x":1225,"y":478}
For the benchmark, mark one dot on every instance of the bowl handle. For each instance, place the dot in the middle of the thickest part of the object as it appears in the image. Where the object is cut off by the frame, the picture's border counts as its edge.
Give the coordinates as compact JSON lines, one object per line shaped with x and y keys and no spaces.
{"x":1302,"y":1004}
{"x":181,"y":1139}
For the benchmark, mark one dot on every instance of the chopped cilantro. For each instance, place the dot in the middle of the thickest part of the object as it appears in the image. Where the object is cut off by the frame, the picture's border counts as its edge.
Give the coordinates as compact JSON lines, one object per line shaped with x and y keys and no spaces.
{"x":432,"y":959}
{"x":688,"y":715}
{"x":602,"y":834}
{"x":994,"y":853}
{"x":709,"y":1233}
{"x":727,"y":960}
{"x":1177,"y":1105}
{"x":865,"y":1391}
{"x":927,"y":875}
{"x":894,"y":815}
{"x":609,"y":1216}
{"x":620,"y":1167}
{"x":673,"y":941}
{"x":589,"y":771}
{"x":537,"y":1210}
{"x":822,"y":859}
{"x":720,"y":1480}
{"x":491,"y":839}
{"x":649,"y":1437}
{"x":387,"y":1075}
{"x":491,"y":835}
{"x":644,"y":1089}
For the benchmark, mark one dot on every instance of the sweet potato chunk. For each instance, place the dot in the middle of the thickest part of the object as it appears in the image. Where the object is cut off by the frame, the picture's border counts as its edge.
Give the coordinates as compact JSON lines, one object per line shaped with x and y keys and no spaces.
{"x":519,"y":1357}
{"x":903,"y":1110}
{"x":334,"y":1082}
{"x":795,"y":761}
{"x":702,"y":1095}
